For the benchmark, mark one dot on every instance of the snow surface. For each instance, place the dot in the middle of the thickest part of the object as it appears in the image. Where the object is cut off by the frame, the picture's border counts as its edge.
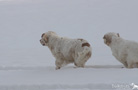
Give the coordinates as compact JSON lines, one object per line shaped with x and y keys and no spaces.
{"x":26,"y":65}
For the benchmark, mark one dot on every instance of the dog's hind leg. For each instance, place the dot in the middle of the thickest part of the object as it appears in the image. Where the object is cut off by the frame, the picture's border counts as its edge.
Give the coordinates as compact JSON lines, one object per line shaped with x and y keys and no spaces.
{"x":82,"y":59}
{"x":136,"y":65}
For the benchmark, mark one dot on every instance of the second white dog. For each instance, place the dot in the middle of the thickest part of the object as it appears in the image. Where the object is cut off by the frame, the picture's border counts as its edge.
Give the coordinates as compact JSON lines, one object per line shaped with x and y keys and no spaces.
{"x":66,"y":50}
{"x":124,"y":50}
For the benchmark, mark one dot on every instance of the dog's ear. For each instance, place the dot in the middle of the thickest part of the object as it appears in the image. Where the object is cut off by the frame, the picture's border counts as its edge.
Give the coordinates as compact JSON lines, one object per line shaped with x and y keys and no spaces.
{"x":42,"y":35}
{"x":118,"y":34}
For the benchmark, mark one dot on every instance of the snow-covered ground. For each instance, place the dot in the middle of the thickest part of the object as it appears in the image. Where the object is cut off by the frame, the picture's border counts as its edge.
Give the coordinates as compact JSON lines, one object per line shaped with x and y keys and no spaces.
{"x":26,"y":65}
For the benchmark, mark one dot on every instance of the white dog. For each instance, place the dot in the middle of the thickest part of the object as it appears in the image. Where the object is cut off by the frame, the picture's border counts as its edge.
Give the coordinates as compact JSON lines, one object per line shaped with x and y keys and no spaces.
{"x":66,"y":50}
{"x":123,"y":50}
{"x":134,"y":86}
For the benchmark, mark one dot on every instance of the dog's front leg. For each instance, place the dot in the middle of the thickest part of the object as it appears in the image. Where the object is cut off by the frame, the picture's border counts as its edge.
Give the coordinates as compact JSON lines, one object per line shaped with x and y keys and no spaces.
{"x":59,"y":63}
{"x":130,"y":65}
{"x":125,"y":64}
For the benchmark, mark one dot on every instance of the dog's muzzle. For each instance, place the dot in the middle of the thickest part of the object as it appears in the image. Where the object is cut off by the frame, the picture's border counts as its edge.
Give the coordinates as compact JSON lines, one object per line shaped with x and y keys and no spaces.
{"x":104,"y":40}
{"x":42,"y":42}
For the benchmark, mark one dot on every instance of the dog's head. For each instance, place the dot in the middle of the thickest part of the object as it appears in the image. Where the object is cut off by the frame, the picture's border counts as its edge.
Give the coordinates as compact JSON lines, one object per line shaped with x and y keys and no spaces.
{"x":45,"y":37}
{"x":132,"y":84}
{"x":108,"y":37}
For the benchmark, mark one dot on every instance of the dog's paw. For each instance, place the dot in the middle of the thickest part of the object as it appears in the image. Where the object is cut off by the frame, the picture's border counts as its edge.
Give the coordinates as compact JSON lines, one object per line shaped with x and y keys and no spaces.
{"x":57,"y":68}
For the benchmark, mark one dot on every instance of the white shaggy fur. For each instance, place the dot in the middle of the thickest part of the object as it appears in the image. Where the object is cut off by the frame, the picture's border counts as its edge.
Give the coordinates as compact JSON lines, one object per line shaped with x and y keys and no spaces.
{"x":134,"y":86}
{"x":66,"y":50}
{"x":123,"y":50}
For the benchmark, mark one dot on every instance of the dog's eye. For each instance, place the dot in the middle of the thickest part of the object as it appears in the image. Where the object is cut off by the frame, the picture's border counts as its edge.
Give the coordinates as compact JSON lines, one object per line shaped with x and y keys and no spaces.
{"x":42,"y":35}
